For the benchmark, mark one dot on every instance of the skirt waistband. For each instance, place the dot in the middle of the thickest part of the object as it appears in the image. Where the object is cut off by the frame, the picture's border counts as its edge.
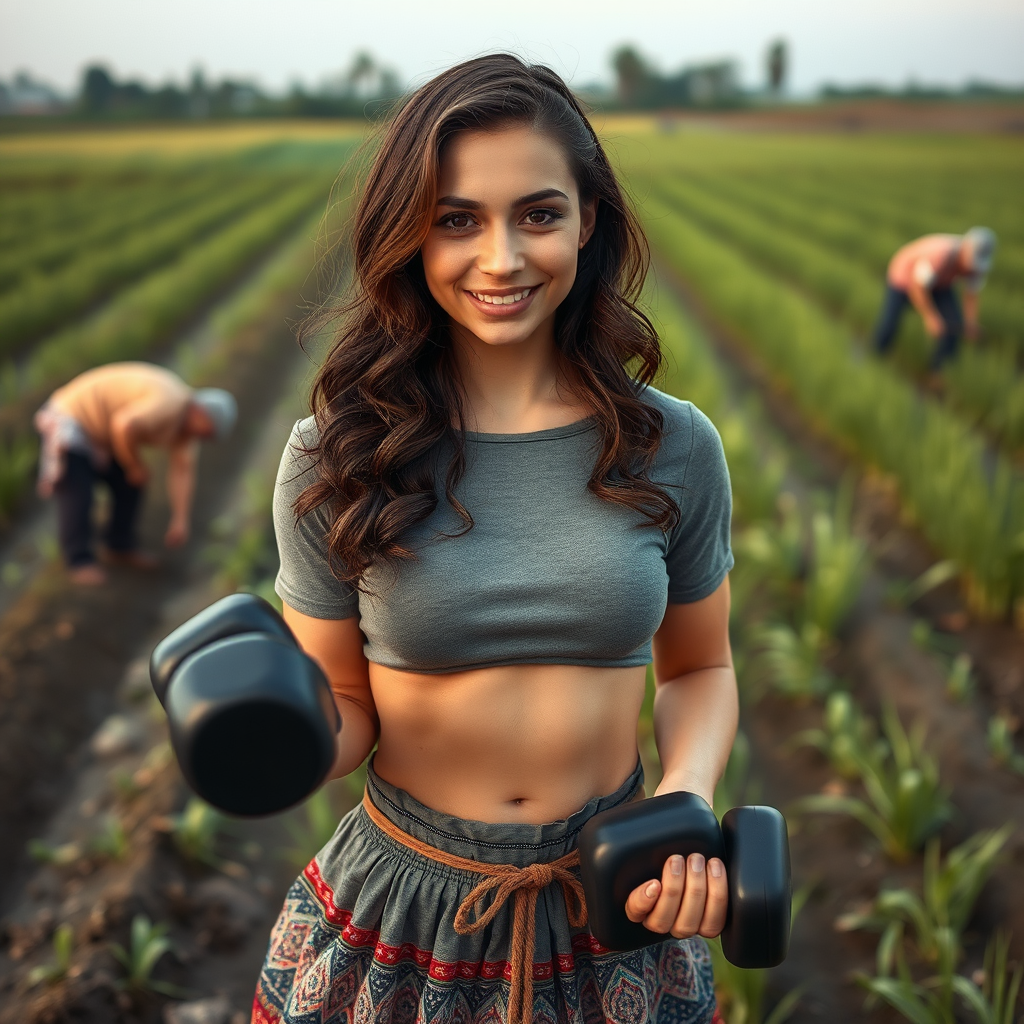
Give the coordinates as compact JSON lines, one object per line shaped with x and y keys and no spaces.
{"x":488,"y":842}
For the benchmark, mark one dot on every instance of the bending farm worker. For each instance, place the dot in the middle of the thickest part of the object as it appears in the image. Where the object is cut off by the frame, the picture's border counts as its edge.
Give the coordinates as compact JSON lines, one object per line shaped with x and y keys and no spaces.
{"x":93,"y":429}
{"x":923,"y":272}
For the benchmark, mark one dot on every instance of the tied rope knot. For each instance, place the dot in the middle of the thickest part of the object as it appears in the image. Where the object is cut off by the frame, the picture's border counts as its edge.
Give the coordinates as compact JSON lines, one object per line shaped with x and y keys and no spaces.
{"x":505,"y":880}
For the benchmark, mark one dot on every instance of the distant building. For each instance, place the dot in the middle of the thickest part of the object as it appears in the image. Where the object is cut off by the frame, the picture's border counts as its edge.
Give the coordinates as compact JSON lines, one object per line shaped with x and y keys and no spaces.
{"x":26,"y":96}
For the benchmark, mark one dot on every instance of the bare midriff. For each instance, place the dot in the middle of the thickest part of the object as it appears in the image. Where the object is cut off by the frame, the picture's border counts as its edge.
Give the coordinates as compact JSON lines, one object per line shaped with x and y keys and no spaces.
{"x":517,"y":743}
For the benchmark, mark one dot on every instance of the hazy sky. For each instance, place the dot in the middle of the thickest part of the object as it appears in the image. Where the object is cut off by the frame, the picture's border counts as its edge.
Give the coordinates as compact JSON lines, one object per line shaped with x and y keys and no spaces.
{"x":279,"y":41}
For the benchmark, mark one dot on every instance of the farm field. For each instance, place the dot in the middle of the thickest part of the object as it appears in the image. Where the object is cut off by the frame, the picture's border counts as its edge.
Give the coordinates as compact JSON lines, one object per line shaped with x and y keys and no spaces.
{"x":878,"y":594}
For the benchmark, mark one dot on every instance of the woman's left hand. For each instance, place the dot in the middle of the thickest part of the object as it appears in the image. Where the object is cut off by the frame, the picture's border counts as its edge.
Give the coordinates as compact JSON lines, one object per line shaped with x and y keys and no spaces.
{"x":690,"y":898}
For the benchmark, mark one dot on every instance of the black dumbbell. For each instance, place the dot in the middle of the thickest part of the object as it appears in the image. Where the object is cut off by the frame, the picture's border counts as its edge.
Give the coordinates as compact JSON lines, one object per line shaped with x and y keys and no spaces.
{"x":252,"y":718}
{"x":622,"y":848}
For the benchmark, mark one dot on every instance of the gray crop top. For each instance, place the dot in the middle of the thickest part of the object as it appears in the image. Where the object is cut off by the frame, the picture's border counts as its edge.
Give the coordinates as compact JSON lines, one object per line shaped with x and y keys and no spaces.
{"x":548,"y":574}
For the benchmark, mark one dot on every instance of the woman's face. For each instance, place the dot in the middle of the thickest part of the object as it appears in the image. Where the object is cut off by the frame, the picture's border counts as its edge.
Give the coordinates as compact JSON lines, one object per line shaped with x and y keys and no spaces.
{"x":505,"y":236}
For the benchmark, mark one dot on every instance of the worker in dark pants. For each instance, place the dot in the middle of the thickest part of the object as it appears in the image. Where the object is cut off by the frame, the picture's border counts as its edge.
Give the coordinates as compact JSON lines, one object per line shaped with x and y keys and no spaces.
{"x":923,"y":273}
{"x":92,"y":431}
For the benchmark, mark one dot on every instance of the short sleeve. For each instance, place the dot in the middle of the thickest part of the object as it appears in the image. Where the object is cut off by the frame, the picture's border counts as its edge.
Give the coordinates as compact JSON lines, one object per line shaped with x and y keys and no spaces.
{"x":304,"y":581}
{"x":699,"y":554}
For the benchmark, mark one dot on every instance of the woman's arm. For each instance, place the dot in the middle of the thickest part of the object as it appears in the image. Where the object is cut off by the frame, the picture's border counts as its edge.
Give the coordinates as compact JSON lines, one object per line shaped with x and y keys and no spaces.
{"x":696,"y":705}
{"x":336,"y":645}
{"x":696,"y":710}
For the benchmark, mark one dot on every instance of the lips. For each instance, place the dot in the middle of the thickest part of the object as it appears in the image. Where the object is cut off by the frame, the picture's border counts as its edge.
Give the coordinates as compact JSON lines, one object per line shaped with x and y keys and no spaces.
{"x":509,"y":304}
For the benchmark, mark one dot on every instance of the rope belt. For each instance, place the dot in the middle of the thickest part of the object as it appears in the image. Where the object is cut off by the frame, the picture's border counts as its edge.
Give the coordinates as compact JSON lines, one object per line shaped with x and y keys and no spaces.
{"x":524,"y":884}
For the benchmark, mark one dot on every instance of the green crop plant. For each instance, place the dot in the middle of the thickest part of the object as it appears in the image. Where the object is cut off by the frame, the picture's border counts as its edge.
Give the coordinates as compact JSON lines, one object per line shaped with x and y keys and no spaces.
{"x":62,"y":855}
{"x":996,"y":1001}
{"x":931,"y":1000}
{"x":960,"y":677}
{"x":848,"y":737}
{"x":196,"y":831}
{"x":44,"y":302}
{"x":837,"y":565}
{"x":970,"y":507}
{"x":773,"y":552}
{"x":790,"y":662}
{"x":950,"y":890}
{"x":130,"y":209}
{"x":149,"y":942}
{"x":906,"y":800}
{"x":1001,"y":728}
{"x":904,"y":595}
{"x":112,"y":840}
{"x":63,"y":947}
{"x":142,"y":314}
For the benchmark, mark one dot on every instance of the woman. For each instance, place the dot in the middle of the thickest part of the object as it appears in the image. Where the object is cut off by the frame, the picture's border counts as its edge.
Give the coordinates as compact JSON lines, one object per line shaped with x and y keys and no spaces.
{"x":482,"y":528}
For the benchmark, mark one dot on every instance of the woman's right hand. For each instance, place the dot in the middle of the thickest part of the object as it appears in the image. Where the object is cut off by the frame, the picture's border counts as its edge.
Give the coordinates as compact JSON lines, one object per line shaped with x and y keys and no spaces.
{"x":687,"y":900}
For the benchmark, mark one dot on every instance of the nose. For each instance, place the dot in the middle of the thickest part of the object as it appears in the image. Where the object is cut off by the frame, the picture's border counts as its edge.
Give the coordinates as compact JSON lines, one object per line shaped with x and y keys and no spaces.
{"x":500,"y":253}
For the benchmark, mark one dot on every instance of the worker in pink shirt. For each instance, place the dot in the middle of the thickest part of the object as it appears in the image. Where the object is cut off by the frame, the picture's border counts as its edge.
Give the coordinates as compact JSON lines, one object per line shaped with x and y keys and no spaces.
{"x":923,"y":273}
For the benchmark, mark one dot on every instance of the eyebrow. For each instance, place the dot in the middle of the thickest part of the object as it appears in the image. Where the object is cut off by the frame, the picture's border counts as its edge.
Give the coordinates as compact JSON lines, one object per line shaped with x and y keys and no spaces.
{"x":472,"y":204}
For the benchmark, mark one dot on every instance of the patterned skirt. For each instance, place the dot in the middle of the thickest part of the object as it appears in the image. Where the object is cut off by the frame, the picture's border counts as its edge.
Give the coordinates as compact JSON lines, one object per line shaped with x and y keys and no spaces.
{"x":370,"y":931}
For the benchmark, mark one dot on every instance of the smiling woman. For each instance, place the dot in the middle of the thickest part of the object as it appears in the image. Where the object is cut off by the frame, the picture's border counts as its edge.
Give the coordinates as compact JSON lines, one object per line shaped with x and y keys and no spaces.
{"x":487,"y":529}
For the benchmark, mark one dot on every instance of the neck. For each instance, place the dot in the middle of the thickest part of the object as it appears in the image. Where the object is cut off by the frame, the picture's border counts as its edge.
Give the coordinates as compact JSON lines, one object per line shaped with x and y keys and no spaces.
{"x":513,"y":388}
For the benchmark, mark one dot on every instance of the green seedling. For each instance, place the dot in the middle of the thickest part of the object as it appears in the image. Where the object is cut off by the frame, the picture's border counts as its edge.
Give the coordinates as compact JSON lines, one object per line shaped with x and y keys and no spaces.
{"x":149,"y":942}
{"x":837,"y":565}
{"x":196,"y":830}
{"x":995,"y":1002}
{"x":908,"y":803}
{"x":312,"y":833}
{"x":933,"y":577}
{"x":1001,"y":728}
{"x":63,"y":947}
{"x":59,"y":856}
{"x":849,"y":738}
{"x":960,"y":677}
{"x":791,"y":662}
{"x":931,"y":1001}
{"x":112,"y":841}
{"x":950,"y":889}
{"x":774,"y":553}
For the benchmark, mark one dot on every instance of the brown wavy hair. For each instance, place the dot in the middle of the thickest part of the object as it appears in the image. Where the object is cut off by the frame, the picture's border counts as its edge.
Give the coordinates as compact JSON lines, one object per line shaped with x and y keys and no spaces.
{"x":387,"y":399}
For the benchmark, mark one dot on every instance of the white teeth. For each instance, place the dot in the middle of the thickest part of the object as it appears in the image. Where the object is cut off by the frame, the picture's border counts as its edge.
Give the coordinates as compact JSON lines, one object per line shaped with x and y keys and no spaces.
{"x":501,"y":300}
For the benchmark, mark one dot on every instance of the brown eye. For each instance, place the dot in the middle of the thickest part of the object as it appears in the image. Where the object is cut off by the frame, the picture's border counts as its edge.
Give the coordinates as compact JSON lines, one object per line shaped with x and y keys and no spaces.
{"x":456,"y":221}
{"x":542,"y":218}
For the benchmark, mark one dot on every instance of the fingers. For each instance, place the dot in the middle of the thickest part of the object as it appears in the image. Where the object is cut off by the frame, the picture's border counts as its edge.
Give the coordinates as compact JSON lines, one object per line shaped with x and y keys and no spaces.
{"x":716,"y":905}
{"x":690,"y":898}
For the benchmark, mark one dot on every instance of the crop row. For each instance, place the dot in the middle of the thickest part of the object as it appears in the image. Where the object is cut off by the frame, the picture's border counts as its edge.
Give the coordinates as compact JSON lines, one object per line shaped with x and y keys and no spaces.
{"x":971,"y":513}
{"x":793,"y":589}
{"x":43,"y":251}
{"x":47,"y":301}
{"x":870,"y":233}
{"x":983,"y":383}
{"x":56,"y":203}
